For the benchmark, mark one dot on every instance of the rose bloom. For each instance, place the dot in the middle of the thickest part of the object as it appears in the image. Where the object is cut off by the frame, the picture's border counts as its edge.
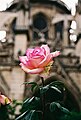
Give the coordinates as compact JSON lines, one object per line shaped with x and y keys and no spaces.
{"x":38,"y":60}
{"x":4,"y":100}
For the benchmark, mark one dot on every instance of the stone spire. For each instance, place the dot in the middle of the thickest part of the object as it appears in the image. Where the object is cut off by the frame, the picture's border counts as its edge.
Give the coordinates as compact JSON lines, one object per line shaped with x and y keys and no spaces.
{"x":23,"y":4}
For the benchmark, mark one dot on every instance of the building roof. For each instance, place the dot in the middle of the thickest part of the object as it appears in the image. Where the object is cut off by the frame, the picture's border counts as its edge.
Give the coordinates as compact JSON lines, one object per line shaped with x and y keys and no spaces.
{"x":57,"y":3}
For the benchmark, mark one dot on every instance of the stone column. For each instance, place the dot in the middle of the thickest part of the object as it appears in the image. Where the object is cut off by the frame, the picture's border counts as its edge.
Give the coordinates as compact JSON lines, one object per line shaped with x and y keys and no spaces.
{"x":20,"y":44}
{"x":65,"y":34}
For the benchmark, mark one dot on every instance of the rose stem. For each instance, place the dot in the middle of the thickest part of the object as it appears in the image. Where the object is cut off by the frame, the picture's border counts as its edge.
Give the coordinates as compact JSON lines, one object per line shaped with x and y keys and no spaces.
{"x":43,"y":98}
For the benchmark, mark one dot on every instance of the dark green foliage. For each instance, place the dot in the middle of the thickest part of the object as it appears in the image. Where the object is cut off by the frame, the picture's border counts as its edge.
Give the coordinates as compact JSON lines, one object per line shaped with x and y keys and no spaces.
{"x":52,"y":96}
{"x":30,"y":115}
{"x":55,"y":105}
{"x":4,"y":112}
{"x":8,"y":112}
{"x":72,"y":116}
{"x":47,"y":104}
{"x":12,"y":109}
{"x":31,"y":104}
{"x":34,"y":85}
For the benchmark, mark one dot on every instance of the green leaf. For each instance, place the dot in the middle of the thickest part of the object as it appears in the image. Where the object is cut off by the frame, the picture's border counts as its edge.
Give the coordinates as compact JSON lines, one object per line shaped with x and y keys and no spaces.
{"x":26,"y":115}
{"x":44,"y":89}
{"x":28,"y":100}
{"x":30,"y":83}
{"x":34,"y":85}
{"x":22,"y":116}
{"x":60,"y":83}
{"x":31,"y":115}
{"x":37,"y":116}
{"x":57,"y":84}
{"x":55,"y":88}
{"x":65,"y":110}
{"x":31,"y":103}
{"x":54,"y":105}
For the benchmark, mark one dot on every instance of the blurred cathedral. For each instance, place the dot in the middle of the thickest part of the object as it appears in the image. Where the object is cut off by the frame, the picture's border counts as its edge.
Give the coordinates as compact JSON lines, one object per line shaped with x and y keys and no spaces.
{"x":30,"y":23}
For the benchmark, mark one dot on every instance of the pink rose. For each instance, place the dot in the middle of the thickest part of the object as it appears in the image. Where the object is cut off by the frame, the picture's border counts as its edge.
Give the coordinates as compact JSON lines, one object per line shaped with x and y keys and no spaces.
{"x":4,"y":100}
{"x":37,"y":60}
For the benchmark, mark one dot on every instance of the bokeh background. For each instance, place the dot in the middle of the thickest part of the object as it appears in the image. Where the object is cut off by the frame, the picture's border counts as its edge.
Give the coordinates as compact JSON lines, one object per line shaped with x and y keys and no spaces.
{"x":30,"y":23}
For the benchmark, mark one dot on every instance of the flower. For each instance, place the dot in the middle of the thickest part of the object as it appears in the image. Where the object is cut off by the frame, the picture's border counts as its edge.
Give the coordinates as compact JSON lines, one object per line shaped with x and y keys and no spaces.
{"x":4,"y":100}
{"x":38,"y":60}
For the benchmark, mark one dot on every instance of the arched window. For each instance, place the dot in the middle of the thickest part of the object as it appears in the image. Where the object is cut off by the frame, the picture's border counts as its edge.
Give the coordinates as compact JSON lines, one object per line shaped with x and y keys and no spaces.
{"x":40,"y":26}
{"x":59,"y":30}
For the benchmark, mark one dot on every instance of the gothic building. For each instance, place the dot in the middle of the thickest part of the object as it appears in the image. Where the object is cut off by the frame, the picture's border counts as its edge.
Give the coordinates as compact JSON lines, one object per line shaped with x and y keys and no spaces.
{"x":32,"y":23}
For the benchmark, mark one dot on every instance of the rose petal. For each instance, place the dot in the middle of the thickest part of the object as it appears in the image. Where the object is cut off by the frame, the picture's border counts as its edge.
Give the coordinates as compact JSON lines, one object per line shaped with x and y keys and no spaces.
{"x":28,"y":53}
{"x":55,"y":54}
{"x":46,"y":49}
{"x":33,"y":71}
{"x":23,"y":59}
{"x":45,"y":61}
{"x":36,"y":61}
{"x":38,"y":52}
{"x":4,"y":100}
{"x":29,"y":65}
